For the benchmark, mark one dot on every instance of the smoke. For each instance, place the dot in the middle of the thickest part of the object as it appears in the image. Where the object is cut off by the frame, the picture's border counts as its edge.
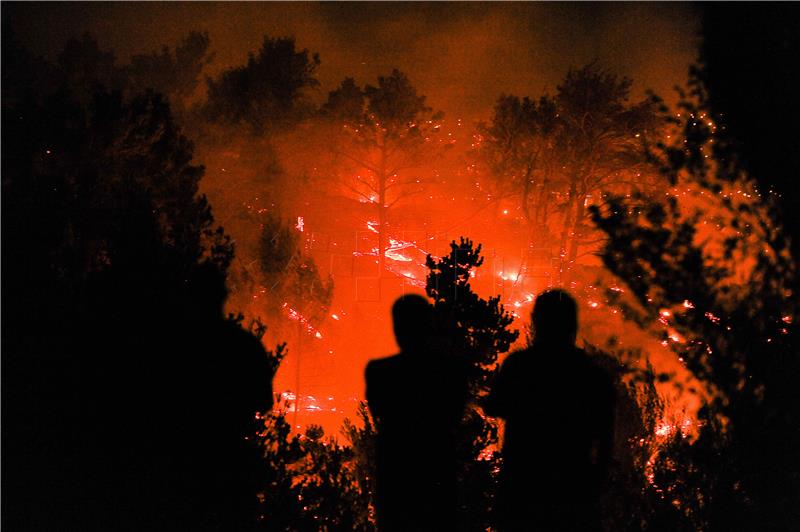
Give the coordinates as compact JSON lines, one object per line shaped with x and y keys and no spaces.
{"x":461,"y":55}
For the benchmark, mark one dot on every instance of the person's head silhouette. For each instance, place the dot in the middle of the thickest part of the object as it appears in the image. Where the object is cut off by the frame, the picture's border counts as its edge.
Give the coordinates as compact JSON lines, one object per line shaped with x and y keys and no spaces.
{"x":413,"y":322}
{"x":555,"y":318}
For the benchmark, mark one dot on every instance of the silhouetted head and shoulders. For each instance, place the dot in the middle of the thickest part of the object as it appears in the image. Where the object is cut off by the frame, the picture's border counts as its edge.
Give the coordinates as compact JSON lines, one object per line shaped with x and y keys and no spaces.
{"x":558,"y":408}
{"x":552,"y":382}
{"x":554,"y":324}
{"x":413,"y":326}
{"x":389,"y":380}
{"x":422,"y":365}
{"x":416,"y":398}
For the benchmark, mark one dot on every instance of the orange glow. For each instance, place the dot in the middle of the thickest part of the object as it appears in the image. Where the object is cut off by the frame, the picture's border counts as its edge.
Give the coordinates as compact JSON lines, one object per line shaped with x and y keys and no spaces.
{"x":340,"y":233}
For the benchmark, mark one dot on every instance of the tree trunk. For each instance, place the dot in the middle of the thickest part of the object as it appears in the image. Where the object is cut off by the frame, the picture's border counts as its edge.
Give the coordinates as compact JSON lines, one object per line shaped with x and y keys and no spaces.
{"x":542,"y":203}
{"x":562,"y":248}
{"x":526,"y":192}
{"x":577,"y":224}
{"x":298,"y":351}
{"x":580,"y":213}
{"x":382,"y":214}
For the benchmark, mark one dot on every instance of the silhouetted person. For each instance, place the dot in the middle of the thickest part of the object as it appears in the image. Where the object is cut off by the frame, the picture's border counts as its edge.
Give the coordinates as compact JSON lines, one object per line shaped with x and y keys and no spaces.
{"x":417,"y":398}
{"x":558,"y":409}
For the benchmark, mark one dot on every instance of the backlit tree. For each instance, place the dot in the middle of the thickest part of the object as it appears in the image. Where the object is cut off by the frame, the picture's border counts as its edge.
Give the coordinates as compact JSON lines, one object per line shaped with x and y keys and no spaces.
{"x":383,"y":136}
{"x":476,"y":331}
{"x":710,"y":271}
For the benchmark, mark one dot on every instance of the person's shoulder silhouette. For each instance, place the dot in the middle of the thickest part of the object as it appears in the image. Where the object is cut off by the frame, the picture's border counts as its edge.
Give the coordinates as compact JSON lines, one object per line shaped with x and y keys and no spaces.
{"x":387,"y":378}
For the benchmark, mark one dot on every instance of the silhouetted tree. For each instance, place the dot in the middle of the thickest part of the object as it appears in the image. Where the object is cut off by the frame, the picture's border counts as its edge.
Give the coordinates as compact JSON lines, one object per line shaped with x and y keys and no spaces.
{"x":116,"y":260}
{"x":362,"y":439}
{"x":747,"y":54}
{"x":477,"y":331}
{"x":477,"y":327}
{"x":267,"y":92}
{"x":174,"y":73}
{"x":290,"y":272}
{"x":712,"y":257}
{"x":519,"y":149}
{"x":84,"y":67}
{"x":290,"y":275}
{"x":382,"y":136}
{"x":310,"y":482}
{"x":585,"y":140}
{"x":601,"y":143}
{"x":631,"y":500}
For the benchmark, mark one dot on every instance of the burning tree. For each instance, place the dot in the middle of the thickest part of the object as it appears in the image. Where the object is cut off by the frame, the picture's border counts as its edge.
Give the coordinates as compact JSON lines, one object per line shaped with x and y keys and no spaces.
{"x":574,"y":146}
{"x":710,"y":270}
{"x":518,"y":148}
{"x":383,"y":135}
{"x":290,"y":275}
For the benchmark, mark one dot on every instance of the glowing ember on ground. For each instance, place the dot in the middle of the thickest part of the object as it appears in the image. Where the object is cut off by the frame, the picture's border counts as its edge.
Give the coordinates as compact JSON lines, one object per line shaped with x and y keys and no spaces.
{"x":296,"y":316}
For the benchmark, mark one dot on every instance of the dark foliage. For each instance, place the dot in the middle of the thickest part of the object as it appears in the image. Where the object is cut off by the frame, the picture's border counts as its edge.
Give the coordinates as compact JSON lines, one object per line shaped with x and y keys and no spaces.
{"x":174,"y":73}
{"x":632,"y":499}
{"x":477,"y":328}
{"x":477,"y":331}
{"x":730,"y":293}
{"x":290,"y":274}
{"x":311,"y":482}
{"x":572,"y":147}
{"x":112,"y":310}
{"x":268,"y":91}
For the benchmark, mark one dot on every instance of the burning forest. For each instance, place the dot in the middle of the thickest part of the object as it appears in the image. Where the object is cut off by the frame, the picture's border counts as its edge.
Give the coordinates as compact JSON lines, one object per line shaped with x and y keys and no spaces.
{"x":208,"y":232}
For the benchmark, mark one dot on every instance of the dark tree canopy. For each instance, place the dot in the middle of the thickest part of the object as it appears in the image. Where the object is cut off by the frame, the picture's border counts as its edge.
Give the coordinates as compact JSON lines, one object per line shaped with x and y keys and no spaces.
{"x":116,"y":262}
{"x":346,"y":103}
{"x":478,"y":327}
{"x":519,"y":148}
{"x":266,"y":92}
{"x":174,"y":73}
{"x":382,"y":136}
{"x":291,"y":275}
{"x":717,"y":264}
{"x":474,"y":330}
{"x":84,"y":65}
{"x":568,"y":149}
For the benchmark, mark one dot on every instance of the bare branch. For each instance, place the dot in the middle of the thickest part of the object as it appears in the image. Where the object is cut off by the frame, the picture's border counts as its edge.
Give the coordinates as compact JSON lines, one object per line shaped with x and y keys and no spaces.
{"x":403,"y":196}
{"x":355,"y":190}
